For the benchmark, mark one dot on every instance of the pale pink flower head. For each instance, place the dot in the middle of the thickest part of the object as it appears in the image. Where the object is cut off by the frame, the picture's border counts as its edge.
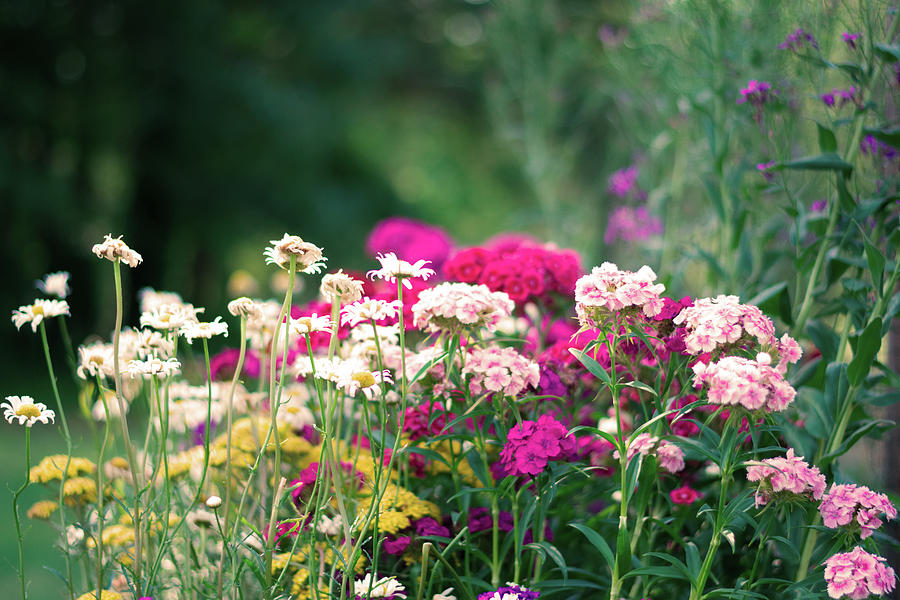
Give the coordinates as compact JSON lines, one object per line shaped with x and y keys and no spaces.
{"x":606,"y":290}
{"x":669,"y":455}
{"x":456,"y":306}
{"x":393,"y":268}
{"x":723,"y":322}
{"x":55,"y":284}
{"x":500,"y":370}
{"x":849,"y":505}
{"x":785,"y":478}
{"x":858,"y":575}
{"x":752,"y":384}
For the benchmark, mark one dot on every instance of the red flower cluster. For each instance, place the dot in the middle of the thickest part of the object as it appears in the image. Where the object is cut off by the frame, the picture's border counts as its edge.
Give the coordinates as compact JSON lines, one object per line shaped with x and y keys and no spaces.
{"x":525,"y":270}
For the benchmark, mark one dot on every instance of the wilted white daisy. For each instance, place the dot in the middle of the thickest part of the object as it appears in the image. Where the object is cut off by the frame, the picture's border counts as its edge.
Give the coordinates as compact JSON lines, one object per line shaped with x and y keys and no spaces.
{"x":37,"y":312}
{"x":55,"y":284}
{"x":115,"y":249}
{"x":382,"y":588}
{"x":26,"y":411}
{"x":310,"y":324}
{"x":308,"y":257}
{"x":369,"y":309}
{"x":95,"y":359}
{"x":205,"y":330}
{"x":393,"y":267}
{"x":151,"y":299}
{"x":153,"y":366}
{"x":341,"y":286}
{"x":245,"y":307}
{"x":170,"y":316}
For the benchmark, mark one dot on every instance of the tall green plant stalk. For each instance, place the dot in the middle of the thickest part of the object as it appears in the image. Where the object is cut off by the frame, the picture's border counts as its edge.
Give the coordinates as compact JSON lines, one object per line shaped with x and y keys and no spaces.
{"x":19,"y":537}
{"x":100,"y":507}
{"x":68,"y":438}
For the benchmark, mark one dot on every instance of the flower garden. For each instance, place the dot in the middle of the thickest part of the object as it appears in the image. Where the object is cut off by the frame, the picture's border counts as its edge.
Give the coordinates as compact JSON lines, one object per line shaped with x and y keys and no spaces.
{"x":500,"y":421}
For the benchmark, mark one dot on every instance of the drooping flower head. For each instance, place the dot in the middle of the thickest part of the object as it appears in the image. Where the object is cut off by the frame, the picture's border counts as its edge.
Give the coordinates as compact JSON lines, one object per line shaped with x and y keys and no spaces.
{"x":785,"y":478}
{"x":26,"y":411}
{"x":851,"y":505}
{"x":246,"y":308}
{"x":393,"y":268}
{"x":752,"y":384}
{"x":308,"y":257}
{"x":341,"y":286}
{"x":55,"y":284}
{"x":857,"y":575}
{"x":37,"y":312}
{"x":607,"y":290}
{"x":452,"y":307}
{"x":114,"y":249}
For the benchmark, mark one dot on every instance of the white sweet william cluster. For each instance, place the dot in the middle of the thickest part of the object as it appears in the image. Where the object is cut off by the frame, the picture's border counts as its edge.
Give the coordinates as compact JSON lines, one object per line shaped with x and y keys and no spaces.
{"x":501,"y":370}
{"x":738,"y":381}
{"x":607,"y":289}
{"x":455,"y":306}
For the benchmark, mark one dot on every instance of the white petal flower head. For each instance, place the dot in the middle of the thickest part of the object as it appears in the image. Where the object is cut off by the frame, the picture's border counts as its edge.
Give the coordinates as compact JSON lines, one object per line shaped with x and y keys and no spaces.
{"x":151,"y":299}
{"x":170,"y":316}
{"x":37,"y":312}
{"x":393,"y":267}
{"x":55,"y":284}
{"x":341,"y":286}
{"x":370,"y":309}
{"x":95,"y":360}
{"x":246,"y":308}
{"x":308,"y":257}
{"x":26,"y":411}
{"x":205,"y":330}
{"x":445,"y":595}
{"x":115,"y":249}
{"x":153,"y":366}
{"x":310,"y":324}
{"x":384,"y":587}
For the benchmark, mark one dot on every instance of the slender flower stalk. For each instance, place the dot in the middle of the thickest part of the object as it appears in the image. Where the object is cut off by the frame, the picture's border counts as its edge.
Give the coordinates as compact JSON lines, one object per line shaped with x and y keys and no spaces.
{"x":19,"y":537}
{"x":103,"y":445}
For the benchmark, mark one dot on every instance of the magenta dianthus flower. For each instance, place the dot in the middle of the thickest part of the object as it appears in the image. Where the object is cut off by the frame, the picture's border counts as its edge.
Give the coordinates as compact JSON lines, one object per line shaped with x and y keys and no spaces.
{"x":412,"y":240}
{"x":623,"y":181}
{"x":851,"y":39}
{"x":531,"y":445}
{"x":510,"y":591}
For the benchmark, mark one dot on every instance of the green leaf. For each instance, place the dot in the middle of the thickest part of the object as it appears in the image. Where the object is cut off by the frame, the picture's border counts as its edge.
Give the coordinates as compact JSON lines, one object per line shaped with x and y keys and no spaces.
{"x":825,"y":339}
{"x":835,"y":386}
{"x":876,"y":265}
{"x":640,"y":385}
{"x":548,"y":549}
{"x":829,"y":161}
{"x":592,"y":365}
{"x":430,"y":454}
{"x":888,"y":52}
{"x":827,"y":141}
{"x":692,"y":555}
{"x":876,"y":426}
{"x":478,"y":467}
{"x":866,"y":351}
{"x":597,"y":542}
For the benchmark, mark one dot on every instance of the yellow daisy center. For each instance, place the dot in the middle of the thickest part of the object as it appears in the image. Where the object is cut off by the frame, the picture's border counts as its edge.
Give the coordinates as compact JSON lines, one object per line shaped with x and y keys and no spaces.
{"x":28,"y":410}
{"x":37,"y":309}
{"x":364,"y":378}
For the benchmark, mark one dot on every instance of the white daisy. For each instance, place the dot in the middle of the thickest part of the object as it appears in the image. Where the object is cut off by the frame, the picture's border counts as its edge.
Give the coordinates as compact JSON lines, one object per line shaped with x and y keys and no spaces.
{"x":115,"y":249}
{"x":95,"y":359}
{"x":153,"y":366}
{"x":308,"y":259}
{"x":382,"y":588}
{"x":310,"y":324}
{"x":55,"y":284}
{"x":205,"y":330}
{"x":341,"y":286}
{"x":393,"y":267}
{"x":369,"y":309}
{"x":245,"y":307}
{"x":26,"y":410}
{"x":170,"y":316}
{"x":37,"y":312}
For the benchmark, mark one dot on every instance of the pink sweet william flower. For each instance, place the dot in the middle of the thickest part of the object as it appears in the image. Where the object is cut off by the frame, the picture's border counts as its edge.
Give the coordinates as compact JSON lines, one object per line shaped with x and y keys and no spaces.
{"x":849,"y":504}
{"x":531,"y":445}
{"x":606,"y":289}
{"x":753,"y":384}
{"x":500,"y":370}
{"x":670,"y":456}
{"x":713,"y":322}
{"x":684,"y":495}
{"x":452,"y":307}
{"x":857,"y":575}
{"x":789,"y":475}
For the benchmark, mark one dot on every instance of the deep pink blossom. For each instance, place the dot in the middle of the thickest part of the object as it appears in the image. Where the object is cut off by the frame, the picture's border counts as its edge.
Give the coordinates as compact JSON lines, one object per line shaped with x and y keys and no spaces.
{"x":852,"y":505}
{"x":531,"y":445}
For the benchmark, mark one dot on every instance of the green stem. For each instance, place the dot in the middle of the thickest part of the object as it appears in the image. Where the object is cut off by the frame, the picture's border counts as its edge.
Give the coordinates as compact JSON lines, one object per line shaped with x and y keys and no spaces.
{"x":103,"y":446}
{"x":68,"y":437}
{"x":19,"y":537}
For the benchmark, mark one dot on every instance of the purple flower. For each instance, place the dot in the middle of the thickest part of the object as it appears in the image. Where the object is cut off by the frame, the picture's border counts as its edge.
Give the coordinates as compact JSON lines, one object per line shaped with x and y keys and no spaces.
{"x":757,"y":93}
{"x":429,"y":526}
{"x":764,"y":169}
{"x":850,"y":39}
{"x":872,"y":146}
{"x":623,"y":181}
{"x":531,"y":445}
{"x":397,"y":545}
{"x":510,"y":592}
{"x":840,"y":97}
{"x":631,"y":225}
{"x":819,"y":205}
{"x":797,"y":40}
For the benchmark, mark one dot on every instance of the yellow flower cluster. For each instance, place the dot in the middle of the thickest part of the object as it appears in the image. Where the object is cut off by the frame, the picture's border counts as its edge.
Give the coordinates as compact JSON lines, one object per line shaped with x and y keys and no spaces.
{"x":80,"y":490}
{"x":398,"y":509}
{"x":104,"y":595}
{"x":298,"y":559}
{"x":451,"y":451}
{"x":51,"y":467}
{"x":42,"y":509}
